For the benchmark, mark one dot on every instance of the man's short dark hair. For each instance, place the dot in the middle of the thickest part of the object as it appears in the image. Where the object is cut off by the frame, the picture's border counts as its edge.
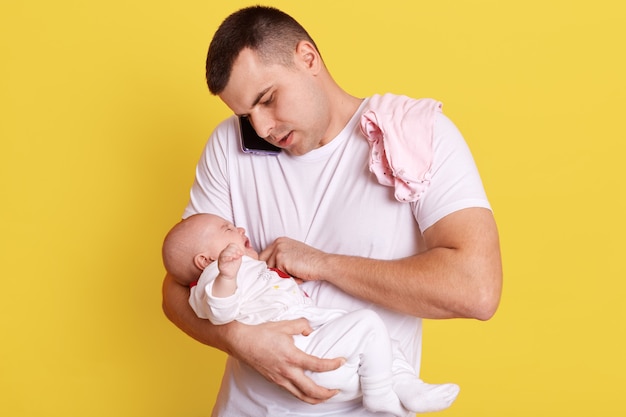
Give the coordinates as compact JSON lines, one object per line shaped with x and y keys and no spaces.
{"x":270,"y":32}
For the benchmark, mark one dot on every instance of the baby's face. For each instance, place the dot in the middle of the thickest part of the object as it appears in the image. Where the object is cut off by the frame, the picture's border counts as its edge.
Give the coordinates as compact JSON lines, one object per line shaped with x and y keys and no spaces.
{"x":222,"y":233}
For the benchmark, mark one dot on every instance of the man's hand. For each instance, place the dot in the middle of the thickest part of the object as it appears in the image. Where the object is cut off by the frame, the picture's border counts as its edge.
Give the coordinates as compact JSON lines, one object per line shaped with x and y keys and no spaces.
{"x":295,"y":258}
{"x":269,"y":349}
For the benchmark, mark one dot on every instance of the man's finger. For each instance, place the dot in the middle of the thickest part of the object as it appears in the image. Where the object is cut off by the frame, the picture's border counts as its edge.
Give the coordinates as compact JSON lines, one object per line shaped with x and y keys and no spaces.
{"x":306,"y":390}
{"x":315,"y":364}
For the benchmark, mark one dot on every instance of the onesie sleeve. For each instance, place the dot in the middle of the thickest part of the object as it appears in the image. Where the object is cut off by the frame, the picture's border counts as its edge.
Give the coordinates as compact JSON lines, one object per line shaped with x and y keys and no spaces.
{"x":223,"y":310}
{"x":455,"y":180}
{"x":219,"y":310}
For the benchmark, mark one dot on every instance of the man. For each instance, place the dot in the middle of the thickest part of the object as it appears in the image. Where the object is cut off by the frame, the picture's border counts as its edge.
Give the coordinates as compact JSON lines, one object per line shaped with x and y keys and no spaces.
{"x":348,"y":238}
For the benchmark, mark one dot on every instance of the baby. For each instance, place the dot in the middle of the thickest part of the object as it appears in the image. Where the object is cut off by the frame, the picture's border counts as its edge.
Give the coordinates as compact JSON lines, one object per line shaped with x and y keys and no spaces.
{"x":228,"y":282}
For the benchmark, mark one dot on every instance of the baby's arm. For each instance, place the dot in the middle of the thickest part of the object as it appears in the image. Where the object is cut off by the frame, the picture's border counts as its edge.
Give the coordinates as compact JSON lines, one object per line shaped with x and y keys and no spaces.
{"x":228,"y":264}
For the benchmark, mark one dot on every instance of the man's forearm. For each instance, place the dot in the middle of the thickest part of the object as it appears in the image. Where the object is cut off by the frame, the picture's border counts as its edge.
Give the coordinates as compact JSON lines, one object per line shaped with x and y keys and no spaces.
{"x":459,"y":276}
{"x":418,"y":285}
{"x":176,"y":308}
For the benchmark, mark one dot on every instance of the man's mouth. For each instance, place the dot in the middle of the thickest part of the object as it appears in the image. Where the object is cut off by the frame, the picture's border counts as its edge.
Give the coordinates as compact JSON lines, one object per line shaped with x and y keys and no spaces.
{"x":284,"y":140}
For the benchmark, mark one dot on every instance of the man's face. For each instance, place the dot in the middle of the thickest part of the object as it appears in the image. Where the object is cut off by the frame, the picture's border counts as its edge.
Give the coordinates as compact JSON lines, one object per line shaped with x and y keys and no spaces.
{"x":285,"y":105}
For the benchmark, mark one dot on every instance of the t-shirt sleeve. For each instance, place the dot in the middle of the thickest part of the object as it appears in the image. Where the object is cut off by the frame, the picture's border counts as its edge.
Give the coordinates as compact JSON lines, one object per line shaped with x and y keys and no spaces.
{"x":455,"y":180}
{"x":210,"y":192}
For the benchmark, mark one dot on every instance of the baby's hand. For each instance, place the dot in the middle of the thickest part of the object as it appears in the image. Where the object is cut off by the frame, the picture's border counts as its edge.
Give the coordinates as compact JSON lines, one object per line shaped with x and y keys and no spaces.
{"x":229,"y":261}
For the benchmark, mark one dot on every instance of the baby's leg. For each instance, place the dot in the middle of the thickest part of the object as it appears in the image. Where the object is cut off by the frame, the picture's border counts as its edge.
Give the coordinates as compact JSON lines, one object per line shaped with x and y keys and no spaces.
{"x":362,"y":338}
{"x":424,"y":398}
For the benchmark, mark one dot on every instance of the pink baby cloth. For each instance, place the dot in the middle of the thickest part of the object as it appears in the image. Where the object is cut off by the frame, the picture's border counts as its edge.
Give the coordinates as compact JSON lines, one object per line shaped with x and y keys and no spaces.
{"x":399,"y":130}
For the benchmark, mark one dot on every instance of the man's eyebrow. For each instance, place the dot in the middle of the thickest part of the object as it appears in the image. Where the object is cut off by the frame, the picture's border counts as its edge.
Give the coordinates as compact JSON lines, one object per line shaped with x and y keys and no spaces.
{"x":256,"y":100}
{"x":260,"y":96}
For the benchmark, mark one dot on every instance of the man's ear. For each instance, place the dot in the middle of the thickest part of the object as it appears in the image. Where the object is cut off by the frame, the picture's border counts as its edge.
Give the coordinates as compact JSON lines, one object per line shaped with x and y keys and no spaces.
{"x":202,"y":260}
{"x":307,"y":55}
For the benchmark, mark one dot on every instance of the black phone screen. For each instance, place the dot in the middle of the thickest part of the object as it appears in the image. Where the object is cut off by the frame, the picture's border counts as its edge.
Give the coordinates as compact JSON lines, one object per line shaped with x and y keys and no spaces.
{"x":253,"y":143}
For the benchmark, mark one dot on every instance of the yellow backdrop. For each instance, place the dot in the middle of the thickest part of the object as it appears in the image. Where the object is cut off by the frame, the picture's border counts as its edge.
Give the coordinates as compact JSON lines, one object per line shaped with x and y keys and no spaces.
{"x":103,"y":115}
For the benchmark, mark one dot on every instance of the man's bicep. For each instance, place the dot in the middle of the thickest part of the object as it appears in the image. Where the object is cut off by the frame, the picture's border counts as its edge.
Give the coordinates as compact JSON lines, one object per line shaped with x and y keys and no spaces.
{"x":472,"y":235}
{"x":470,"y":228}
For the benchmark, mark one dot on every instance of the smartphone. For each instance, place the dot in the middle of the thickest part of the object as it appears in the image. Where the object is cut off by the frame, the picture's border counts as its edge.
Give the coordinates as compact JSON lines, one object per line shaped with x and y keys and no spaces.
{"x":253,"y":143}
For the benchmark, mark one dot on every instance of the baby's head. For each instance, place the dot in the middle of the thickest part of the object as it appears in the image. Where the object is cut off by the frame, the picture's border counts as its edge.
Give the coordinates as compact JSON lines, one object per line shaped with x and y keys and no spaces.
{"x":196,"y":241}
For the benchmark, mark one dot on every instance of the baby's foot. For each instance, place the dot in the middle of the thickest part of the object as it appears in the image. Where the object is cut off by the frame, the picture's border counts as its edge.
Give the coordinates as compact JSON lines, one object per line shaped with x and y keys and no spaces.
{"x":424,"y":398}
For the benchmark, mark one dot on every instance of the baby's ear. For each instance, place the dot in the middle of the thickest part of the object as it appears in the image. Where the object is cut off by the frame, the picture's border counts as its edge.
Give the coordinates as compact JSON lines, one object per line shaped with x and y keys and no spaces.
{"x":201,"y":261}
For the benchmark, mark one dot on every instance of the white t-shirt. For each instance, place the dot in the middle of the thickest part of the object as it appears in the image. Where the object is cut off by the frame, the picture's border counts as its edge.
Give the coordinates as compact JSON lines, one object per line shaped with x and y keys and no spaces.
{"x":327,"y":199}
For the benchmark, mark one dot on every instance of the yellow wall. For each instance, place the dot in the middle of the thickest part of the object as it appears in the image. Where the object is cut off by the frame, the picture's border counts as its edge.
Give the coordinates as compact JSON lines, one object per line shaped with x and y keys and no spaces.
{"x":104,"y":112}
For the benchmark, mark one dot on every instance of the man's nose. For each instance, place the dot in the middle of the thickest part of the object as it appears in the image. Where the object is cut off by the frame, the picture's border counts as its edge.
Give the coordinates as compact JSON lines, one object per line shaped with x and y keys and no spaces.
{"x":262,"y":124}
